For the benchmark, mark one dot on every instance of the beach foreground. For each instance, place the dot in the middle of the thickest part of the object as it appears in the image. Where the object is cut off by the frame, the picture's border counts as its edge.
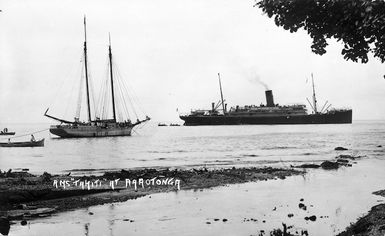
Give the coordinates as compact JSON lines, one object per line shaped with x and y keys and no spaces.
{"x":25,"y":197}
{"x":21,"y":193}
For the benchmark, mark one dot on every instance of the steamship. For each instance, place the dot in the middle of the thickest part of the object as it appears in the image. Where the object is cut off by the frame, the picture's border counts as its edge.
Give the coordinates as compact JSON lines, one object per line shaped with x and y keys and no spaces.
{"x":269,"y":114}
{"x":97,"y":126}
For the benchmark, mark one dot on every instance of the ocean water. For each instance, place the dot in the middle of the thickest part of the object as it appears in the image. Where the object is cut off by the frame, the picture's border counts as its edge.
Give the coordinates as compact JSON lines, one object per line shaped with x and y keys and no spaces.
{"x":335,"y":197}
{"x":187,"y":147}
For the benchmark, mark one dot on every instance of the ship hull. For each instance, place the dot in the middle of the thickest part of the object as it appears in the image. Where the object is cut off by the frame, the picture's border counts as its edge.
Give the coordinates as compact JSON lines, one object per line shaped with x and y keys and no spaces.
{"x":89,"y":131}
{"x":337,"y":117}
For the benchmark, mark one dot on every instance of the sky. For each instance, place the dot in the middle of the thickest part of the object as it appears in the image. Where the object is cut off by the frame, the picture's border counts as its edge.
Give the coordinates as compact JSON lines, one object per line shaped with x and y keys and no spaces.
{"x":169,"y":53}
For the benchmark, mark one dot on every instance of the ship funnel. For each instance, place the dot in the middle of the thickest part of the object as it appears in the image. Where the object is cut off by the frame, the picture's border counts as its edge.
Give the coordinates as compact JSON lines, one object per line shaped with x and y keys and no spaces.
{"x":269,"y":98}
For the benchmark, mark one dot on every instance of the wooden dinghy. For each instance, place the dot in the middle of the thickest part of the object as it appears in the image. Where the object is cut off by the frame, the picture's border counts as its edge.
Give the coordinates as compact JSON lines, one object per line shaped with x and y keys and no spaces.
{"x":18,"y":214}
{"x":5,"y":132}
{"x":39,"y":143}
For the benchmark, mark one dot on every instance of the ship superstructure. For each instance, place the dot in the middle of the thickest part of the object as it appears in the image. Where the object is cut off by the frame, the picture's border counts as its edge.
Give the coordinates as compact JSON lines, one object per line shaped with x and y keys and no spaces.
{"x":269,"y":113}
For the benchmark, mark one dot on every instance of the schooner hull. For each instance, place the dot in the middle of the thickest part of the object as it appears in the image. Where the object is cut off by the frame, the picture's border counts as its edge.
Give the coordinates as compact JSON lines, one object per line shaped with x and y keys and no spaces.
{"x":89,"y":131}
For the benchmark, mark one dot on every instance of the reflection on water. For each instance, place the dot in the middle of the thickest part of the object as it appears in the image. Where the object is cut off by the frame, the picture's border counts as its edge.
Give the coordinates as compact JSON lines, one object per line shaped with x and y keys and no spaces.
{"x":336,"y":198}
{"x":195,"y":146}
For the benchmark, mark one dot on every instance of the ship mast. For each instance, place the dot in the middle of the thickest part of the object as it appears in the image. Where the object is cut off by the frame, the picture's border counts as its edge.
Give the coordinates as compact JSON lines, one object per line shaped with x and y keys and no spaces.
{"x":314,"y":98}
{"x":86,"y":70}
{"x":220,"y":87}
{"x":112,"y":79}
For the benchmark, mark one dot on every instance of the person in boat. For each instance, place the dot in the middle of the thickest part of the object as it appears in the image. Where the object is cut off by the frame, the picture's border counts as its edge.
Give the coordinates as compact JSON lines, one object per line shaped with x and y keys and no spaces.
{"x":9,"y":141}
{"x":33,"y":138}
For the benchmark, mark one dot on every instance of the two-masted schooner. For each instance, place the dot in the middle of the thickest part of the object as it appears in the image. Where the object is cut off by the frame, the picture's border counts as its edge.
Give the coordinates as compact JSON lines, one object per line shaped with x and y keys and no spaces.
{"x":97,"y":127}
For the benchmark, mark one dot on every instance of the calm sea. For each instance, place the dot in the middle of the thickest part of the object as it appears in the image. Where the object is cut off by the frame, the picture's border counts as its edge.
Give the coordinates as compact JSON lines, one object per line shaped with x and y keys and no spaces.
{"x":186,"y":147}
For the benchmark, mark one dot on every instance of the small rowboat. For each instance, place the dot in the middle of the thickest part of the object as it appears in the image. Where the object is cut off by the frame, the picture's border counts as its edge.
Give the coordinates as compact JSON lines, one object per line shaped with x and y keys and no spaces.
{"x":7,"y":133}
{"x":39,"y":143}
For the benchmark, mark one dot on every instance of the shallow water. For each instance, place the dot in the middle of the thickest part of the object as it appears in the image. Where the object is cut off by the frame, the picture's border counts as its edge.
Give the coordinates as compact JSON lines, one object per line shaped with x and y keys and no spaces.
{"x":339,"y":197}
{"x":212,"y":146}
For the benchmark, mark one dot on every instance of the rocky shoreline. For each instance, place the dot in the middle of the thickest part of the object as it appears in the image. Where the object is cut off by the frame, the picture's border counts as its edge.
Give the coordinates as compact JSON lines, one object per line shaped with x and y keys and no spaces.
{"x":24,"y":196}
{"x":371,"y":224}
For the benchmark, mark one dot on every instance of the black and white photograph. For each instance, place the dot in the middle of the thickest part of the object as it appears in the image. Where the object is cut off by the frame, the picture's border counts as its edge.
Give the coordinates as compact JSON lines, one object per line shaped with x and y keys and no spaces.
{"x":192,"y":117}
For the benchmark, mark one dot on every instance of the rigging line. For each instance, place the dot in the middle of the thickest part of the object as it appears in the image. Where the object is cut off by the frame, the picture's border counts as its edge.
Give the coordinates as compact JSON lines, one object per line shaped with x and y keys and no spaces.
{"x":101,"y":98}
{"x":118,"y":103}
{"x":138,"y":103}
{"x":323,"y":107}
{"x":64,"y":79}
{"x":123,"y":97}
{"x":27,"y":134}
{"x":129,"y":90}
{"x":81,"y":70}
{"x":105,"y":104}
{"x":120,"y":116}
{"x":92,"y":93}
{"x":125,"y":108}
{"x":129,"y":99}
{"x":117,"y":98}
{"x":69,"y":98}
{"x":140,"y":126}
{"x":132,"y":105}
{"x":91,"y":86}
{"x":79,"y":104}
{"x":135,"y":132}
{"x":99,"y":101}
{"x":121,"y":93}
{"x":106,"y":97}
{"x":70,"y":95}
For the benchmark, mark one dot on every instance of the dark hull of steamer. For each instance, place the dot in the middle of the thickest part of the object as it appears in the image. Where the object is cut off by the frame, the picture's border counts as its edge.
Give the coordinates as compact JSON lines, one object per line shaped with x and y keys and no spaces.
{"x":333,"y":117}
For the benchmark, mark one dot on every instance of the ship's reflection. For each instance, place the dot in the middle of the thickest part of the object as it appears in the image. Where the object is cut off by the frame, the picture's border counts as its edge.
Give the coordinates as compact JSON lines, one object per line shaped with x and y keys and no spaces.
{"x":111,"y":221}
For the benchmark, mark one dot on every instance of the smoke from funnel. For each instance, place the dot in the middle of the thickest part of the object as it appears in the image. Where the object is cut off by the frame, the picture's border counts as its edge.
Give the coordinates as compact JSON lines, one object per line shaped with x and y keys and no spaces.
{"x":262,"y":83}
{"x":253,"y":77}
